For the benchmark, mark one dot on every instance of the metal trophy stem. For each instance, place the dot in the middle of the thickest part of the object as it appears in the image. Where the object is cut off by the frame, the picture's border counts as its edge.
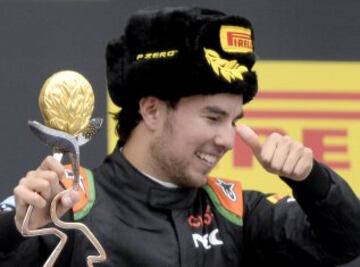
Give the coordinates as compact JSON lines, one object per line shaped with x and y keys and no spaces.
{"x":25,"y":231}
{"x":66,"y":102}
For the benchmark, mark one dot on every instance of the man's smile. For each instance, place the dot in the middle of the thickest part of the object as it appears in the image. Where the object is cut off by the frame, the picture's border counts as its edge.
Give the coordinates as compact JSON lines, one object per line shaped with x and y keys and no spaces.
{"x":209,"y":159}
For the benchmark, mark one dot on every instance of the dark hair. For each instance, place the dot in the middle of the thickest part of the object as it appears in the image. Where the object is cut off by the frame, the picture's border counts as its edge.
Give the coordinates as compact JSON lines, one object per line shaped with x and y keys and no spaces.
{"x":129,"y":117}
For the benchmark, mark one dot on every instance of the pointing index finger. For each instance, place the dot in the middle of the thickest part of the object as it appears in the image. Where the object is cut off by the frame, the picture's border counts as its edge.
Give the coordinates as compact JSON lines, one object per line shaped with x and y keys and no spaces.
{"x":250,"y":138}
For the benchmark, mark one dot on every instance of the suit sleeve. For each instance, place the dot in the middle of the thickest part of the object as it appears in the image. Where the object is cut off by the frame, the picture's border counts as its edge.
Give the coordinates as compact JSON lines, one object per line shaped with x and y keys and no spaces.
{"x":320,"y":228}
{"x":10,"y":238}
{"x":16,"y":250}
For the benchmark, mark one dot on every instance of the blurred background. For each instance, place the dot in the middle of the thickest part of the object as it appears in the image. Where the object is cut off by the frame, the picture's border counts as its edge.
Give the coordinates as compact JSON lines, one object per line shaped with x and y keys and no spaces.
{"x":39,"y":38}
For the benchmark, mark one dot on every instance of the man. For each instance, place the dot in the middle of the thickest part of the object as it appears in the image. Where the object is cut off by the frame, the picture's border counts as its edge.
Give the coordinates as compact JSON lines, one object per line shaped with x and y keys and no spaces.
{"x":181,"y":77}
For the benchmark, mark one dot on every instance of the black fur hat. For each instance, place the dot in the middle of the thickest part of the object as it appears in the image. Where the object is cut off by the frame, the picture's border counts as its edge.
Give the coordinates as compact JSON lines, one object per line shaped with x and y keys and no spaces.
{"x":177,"y":52}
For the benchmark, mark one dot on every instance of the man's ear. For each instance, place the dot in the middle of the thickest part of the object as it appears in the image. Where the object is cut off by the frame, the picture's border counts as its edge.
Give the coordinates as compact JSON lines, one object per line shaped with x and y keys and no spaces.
{"x":150,"y":109}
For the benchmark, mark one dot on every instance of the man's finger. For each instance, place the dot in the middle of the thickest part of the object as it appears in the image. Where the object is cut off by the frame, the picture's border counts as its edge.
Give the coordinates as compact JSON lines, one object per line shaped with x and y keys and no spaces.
{"x":303,"y":166}
{"x":28,"y":197}
{"x":250,"y":138}
{"x":40,"y":186}
{"x":67,"y":201}
{"x":292,"y":159}
{"x":51,"y":164}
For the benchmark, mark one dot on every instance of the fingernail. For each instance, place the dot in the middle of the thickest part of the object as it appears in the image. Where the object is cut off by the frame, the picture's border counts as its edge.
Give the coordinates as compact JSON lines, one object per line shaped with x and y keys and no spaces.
{"x":67,"y":201}
{"x":75,"y":196}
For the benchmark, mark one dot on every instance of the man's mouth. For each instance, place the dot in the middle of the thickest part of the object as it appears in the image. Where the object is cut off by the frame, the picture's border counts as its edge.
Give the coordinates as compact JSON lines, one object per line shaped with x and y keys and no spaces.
{"x":208,"y":158}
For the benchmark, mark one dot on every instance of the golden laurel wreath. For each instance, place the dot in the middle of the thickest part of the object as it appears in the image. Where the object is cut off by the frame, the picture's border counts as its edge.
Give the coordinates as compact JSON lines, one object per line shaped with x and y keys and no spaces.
{"x":230,"y":70}
{"x":66,"y":102}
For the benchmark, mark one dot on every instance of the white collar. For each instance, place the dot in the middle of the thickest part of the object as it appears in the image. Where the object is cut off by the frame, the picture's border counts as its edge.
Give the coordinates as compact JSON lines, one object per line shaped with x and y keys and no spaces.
{"x":163,"y":183}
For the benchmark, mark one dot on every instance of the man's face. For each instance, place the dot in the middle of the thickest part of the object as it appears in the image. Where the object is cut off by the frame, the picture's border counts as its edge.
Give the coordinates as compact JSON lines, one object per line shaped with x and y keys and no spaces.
{"x":192,"y":138}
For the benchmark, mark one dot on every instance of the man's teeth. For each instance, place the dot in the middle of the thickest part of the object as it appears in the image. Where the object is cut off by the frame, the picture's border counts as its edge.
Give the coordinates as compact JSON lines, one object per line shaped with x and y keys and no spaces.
{"x":207,"y":157}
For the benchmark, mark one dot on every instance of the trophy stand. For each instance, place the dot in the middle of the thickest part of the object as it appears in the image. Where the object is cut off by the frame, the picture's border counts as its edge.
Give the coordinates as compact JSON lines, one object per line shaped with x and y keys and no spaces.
{"x":66,"y":102}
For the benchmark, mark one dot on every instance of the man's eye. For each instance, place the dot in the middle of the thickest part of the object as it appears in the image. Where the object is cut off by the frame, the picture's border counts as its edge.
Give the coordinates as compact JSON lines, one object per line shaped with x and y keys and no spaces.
{"x":212,"y":118}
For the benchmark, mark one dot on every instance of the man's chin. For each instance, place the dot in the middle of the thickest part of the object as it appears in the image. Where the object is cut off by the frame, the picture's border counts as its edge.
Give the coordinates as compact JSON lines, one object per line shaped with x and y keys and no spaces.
{"x":197,"y":181}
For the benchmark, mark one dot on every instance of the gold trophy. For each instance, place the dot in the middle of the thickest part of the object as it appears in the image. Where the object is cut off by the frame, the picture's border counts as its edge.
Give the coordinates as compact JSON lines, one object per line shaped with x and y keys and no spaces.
{"x":66,"y":102}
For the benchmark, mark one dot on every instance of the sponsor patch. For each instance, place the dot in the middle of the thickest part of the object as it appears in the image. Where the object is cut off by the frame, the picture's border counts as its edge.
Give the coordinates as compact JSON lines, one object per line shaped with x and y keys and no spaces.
{"x":197,"y":221}
{"x":156,"y":55}
{"x":274,"y":198}
{"x":227,"y":188}
{"x":227,"y":197}
{"x":207,"y":241}
{"x":235,"y":39}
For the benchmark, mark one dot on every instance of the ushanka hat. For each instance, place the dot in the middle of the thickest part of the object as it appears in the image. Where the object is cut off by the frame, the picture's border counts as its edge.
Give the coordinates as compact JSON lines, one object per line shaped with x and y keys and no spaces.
{"x":178,"y":52}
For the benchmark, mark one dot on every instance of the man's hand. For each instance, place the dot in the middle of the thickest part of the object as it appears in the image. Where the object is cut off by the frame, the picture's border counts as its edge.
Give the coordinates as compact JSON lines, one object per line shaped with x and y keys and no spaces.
{"x":279,"y":154}
{"x":38,"y":188}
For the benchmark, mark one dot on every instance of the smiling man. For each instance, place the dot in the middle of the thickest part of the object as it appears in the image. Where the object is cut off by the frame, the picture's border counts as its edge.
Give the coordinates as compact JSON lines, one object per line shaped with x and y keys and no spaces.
{"x":181,"y":77}
{"x":181,"y":145}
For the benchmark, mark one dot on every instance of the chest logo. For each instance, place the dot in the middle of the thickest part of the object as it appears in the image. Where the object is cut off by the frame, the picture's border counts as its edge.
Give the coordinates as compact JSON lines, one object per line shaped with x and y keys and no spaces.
{"x":207,"y":241}
{"x":197,"y":221}
{"x":227,"y":188}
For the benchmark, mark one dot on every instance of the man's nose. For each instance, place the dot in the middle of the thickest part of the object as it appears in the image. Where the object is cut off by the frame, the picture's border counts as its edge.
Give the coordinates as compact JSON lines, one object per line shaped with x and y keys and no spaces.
{"x":225,"y":138}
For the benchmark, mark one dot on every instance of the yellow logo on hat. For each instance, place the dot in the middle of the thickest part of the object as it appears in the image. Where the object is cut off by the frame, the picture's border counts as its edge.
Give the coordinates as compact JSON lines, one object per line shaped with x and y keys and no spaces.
{"x":235,"y":39}
{"x":230,"y":70}
{"x":157,"y":55}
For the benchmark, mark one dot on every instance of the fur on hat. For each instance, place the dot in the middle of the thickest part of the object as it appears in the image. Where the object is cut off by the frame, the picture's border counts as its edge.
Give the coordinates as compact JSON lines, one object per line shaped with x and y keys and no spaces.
{"x":178,"y":52}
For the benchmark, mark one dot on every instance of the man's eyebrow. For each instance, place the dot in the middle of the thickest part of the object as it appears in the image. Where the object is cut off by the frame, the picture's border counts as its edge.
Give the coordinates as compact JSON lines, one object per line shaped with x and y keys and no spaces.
{"x":218,"y":111}
{"x":240,"y":116}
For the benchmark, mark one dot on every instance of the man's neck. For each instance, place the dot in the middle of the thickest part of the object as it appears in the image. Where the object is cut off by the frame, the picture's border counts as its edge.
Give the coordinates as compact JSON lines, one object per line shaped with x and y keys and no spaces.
{"x":135,"y":150}
{"x":128,"y":154}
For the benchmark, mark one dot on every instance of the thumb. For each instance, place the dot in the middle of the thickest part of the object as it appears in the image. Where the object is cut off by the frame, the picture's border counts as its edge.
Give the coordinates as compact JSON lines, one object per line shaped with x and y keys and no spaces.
{"x":250,"y":138}
{"x":67,"y":201}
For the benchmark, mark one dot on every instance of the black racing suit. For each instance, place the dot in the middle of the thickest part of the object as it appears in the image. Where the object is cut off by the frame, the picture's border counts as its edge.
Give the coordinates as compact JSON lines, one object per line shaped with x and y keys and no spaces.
{"x":141,"y":223}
